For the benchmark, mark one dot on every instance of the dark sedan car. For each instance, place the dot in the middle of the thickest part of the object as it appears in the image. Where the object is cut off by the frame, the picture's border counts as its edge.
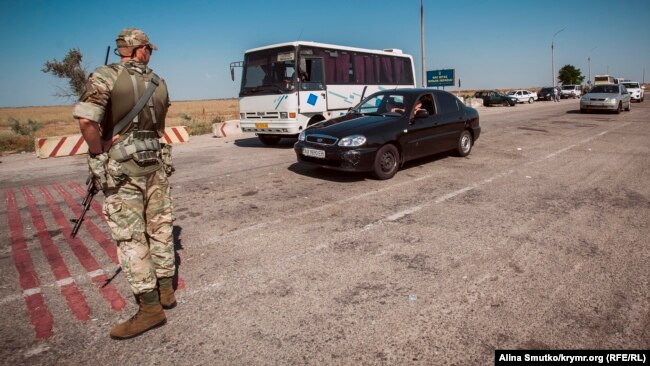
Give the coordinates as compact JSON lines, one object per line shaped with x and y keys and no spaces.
{"x":494,"y":97}
{"x":389,"y":128}
{"x":546,"y":93}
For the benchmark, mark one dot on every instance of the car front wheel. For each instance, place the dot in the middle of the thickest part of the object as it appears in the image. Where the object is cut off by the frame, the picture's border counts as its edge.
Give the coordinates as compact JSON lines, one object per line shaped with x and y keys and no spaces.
{"x":465,"y":143}
{"x":386,"y":162}
{"x":530,"y":101}
{"x":629,"y":106}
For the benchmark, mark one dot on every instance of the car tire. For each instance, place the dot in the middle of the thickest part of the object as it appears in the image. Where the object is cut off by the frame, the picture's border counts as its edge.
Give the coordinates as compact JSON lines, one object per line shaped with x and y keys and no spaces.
{"x":386,"y":162}
{"x":629,"y":106}
{"x":465,"y":143}
{"x":620,"y":108}
{"x":530,"y":101}
{"x":269,"y":140}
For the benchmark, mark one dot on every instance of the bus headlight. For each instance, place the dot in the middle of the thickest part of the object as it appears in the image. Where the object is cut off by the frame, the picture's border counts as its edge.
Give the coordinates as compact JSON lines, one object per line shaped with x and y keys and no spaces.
{"x":352,"y":141}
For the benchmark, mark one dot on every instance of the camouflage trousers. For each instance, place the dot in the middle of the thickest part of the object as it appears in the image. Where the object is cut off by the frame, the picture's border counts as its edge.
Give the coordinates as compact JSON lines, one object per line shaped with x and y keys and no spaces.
{"x":139,"y":214}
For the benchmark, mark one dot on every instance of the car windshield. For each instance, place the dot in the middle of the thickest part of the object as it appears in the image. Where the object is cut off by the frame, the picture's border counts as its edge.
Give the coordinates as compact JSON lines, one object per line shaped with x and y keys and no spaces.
{"x":546,"y":90}
{"x":384,"y":103}
{"x":609,"y":89}
{"x":631,"y":85}
{"x":568,"y":87}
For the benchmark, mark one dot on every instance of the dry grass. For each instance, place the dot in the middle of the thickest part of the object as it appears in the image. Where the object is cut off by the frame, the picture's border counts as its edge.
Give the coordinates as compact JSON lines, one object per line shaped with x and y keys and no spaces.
{"x":198,"y":115}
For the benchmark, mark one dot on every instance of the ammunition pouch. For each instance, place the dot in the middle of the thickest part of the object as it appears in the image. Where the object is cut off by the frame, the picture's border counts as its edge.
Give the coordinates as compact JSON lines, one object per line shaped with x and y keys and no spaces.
{"x":138,"y":153}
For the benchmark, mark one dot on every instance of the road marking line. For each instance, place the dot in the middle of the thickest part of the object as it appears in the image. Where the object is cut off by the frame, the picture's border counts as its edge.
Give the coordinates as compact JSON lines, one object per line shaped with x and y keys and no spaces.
{"x":39,"y":314}
{"x":31,"y":291}
{"x":96,"y":273}
{"x":458,"y":192}
{"x":65,"y":282}
{"x":76,"y":302}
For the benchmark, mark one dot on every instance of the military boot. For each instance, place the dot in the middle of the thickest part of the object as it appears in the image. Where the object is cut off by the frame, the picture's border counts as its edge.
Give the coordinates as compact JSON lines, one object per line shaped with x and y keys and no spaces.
{"x":150,"y":315}
{"x":166,"y":290}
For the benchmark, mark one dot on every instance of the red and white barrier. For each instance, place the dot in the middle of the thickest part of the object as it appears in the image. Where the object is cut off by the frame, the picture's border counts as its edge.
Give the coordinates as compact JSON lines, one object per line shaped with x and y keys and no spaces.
{"x":225,"y":129}
{"x":52,"y":147}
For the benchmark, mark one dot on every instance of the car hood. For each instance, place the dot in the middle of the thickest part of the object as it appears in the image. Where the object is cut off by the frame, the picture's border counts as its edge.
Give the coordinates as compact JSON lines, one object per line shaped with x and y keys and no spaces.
{"x":351,"y":124}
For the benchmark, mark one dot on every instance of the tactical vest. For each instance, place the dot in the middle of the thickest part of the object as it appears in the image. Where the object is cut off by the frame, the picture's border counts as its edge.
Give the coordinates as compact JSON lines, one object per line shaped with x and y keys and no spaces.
{"x":138,"y":149}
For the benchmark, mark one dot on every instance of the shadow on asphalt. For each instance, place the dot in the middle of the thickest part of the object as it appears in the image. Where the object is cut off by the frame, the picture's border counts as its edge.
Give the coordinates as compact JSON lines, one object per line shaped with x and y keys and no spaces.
{"x":331,"y":175}
{"x":254,"y":142}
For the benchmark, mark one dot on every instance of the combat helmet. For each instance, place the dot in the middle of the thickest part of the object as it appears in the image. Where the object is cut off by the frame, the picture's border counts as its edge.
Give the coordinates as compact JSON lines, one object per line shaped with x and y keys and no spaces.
{"x":133,"y":37}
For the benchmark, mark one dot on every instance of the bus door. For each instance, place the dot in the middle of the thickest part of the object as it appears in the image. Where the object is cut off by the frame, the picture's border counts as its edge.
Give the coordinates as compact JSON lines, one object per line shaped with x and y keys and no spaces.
{"x":312,"y":97}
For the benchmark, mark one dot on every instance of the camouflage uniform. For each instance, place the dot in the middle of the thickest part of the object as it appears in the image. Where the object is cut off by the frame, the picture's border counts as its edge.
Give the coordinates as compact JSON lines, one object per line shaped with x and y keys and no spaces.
{"x":138,"y":202}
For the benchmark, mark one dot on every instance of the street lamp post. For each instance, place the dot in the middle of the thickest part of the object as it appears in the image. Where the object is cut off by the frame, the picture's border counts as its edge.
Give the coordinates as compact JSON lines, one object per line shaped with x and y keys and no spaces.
{"x":553,"y":56}
{"x":589,"y":63}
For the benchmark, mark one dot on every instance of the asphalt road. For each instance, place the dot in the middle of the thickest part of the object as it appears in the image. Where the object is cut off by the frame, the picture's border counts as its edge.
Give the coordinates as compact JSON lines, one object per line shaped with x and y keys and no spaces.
{"x":537,"y":240}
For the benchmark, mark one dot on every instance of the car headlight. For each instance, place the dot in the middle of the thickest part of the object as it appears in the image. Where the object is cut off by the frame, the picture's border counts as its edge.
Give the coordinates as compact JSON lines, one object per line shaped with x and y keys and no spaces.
{"x":352,"y":141}
{"x":301,"y":136}
{"x":610,"y":100}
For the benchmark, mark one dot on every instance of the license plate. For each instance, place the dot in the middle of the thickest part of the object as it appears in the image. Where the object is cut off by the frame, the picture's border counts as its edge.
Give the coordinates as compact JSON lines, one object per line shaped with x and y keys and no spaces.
{"x":261,"y":125}
{"x":314,"y":153}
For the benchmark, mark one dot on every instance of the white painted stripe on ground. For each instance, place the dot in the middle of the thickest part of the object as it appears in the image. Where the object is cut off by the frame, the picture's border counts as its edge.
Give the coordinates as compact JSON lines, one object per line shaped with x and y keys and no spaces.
{"x":31,"y":291}
{"x":443,"y":198}
{"x":96,"y":273}
{"x":65,"y":281}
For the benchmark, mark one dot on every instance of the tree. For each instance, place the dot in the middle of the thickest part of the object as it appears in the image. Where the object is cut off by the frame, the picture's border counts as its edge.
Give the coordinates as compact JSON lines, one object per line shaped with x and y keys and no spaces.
{"x":70,"y":68}
{"x":569,"y":75}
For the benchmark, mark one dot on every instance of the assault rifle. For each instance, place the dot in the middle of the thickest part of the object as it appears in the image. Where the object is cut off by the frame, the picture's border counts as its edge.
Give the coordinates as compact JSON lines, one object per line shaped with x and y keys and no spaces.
{"x":90,"y":186}
{"x":91,"y":192}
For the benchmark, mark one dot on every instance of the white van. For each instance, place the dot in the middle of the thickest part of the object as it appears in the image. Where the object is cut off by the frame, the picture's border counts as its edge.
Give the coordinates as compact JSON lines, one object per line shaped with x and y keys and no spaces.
{"x":571,"y":91}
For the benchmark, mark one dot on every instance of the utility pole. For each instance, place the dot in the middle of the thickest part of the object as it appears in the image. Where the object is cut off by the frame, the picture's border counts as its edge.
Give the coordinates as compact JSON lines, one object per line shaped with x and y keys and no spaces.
{"x":424,"y":73}
{"x":589,"y":63}
{"x":553,"y":57}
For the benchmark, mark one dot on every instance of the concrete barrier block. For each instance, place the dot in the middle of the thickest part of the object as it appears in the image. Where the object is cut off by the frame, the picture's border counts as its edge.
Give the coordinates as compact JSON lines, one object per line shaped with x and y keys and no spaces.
{"x":226,"y":129}
{"x":52,"y":147}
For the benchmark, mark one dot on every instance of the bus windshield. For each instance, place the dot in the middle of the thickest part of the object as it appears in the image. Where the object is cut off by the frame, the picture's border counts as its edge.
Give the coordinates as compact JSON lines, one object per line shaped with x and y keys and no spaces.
{"x":269,"y":71}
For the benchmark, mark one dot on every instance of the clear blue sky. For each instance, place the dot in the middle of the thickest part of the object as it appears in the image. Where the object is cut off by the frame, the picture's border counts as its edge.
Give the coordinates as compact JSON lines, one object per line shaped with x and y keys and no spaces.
{"x":490,"y":44}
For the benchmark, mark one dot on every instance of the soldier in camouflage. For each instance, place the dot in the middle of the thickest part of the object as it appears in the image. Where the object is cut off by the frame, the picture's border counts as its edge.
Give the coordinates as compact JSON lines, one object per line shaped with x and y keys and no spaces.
{"x":131,"y":166}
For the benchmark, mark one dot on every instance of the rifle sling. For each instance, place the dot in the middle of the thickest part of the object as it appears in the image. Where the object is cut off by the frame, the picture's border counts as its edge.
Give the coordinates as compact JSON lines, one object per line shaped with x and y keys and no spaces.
{"x":138,"y":106}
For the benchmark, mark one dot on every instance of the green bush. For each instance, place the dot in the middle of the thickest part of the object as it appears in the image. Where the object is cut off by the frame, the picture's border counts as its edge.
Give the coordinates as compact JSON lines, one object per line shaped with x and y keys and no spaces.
{"x":27,"y":129}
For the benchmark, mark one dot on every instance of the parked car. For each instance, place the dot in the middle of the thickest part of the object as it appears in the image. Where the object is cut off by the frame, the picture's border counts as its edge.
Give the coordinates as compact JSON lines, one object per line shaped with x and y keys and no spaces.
{"x":635,"y":90}
{"x":571,"y":91}
{"x":523,"y":96}
{"x":492,"y":97}
{"x":609,"y":97}
{"x":389,"y":128}
{"x":545,"y":93}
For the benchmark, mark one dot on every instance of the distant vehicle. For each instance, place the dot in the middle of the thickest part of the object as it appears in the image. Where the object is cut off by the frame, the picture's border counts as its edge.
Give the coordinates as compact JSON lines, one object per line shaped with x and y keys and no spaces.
{"x":604,"y":79}
{"x":287,"y":87}
{"x":492,"y":97}
{"x":545,"y":93}
{"x":635,"y":90}
{"x":523,"y":96}
{"x":608,"y":97}
{"x":571,"y":91}
{"x":386,"y":129}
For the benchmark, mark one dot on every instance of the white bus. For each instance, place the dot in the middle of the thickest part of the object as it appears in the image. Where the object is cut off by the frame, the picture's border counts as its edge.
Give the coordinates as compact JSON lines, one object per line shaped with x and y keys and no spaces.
{"x":289,"y":86}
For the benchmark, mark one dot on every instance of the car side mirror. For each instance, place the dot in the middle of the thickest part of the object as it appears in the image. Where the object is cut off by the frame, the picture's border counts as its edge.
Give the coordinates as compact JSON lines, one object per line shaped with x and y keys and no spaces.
{"x":421,"y":113}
